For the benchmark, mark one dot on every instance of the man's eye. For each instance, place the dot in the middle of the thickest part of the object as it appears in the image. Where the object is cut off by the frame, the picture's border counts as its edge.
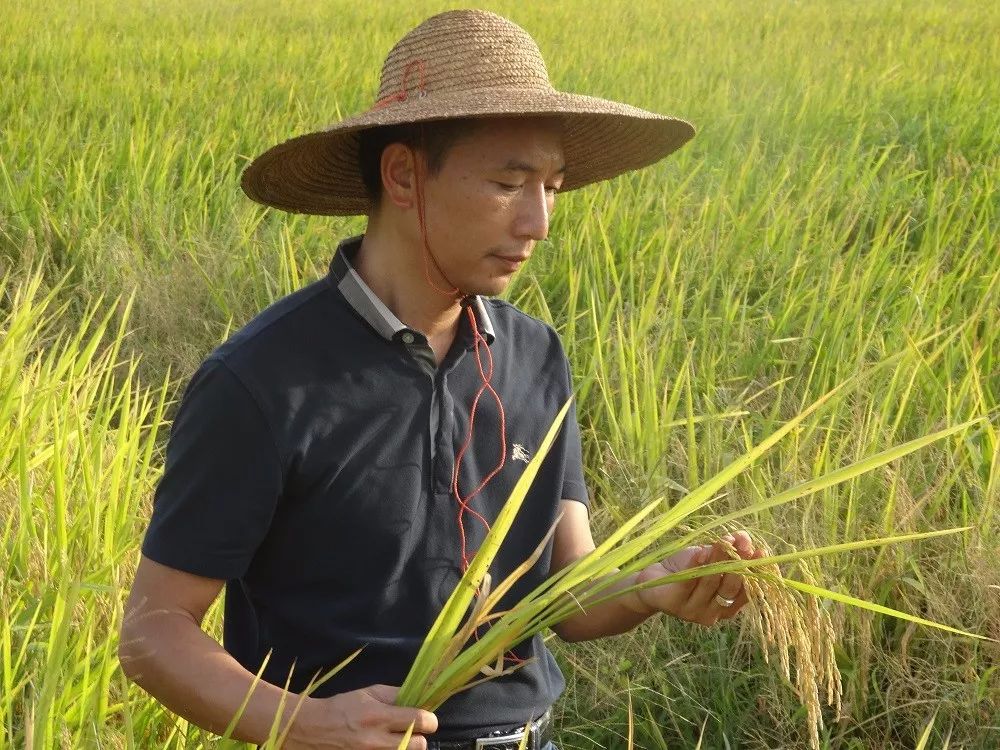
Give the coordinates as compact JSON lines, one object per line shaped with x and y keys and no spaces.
{"x":509,"y":188}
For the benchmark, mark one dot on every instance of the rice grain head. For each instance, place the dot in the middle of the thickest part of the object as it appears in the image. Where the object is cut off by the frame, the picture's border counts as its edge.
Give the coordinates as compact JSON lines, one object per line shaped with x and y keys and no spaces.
{"x":792,"y":625}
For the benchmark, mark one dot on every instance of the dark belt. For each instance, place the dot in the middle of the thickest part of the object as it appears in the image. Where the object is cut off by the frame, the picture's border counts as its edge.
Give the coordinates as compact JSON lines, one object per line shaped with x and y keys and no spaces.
{"x":503,"y":739}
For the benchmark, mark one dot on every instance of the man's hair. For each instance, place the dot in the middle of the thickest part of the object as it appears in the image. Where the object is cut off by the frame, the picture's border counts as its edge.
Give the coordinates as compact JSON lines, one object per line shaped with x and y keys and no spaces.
{"x":434,"y":139}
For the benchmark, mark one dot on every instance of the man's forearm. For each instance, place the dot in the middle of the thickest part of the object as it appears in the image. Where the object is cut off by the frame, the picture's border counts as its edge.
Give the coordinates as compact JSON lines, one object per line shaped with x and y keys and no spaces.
{"x":177,"y":663}
{"x":612,"y":617}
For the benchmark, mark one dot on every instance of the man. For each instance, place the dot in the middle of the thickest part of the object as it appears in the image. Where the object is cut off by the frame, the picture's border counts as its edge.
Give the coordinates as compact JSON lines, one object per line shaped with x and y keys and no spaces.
{"x":337,"y":462}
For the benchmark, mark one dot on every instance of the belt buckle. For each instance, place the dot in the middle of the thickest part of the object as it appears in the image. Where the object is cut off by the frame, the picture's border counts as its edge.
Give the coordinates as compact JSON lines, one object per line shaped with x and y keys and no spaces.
{"x":494,"y":741}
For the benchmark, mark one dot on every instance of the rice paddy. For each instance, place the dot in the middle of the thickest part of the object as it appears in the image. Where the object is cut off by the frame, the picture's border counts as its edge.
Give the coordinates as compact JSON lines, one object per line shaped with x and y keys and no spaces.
{"x":837,"y":213}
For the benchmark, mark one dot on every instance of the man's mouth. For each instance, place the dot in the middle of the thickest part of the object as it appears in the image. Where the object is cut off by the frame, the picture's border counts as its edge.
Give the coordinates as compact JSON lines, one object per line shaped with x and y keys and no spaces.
{"x":511,"y":262}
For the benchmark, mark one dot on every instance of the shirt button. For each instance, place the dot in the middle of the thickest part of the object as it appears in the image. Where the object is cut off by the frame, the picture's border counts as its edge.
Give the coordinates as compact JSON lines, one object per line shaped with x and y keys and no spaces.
{"x":407,"y":338}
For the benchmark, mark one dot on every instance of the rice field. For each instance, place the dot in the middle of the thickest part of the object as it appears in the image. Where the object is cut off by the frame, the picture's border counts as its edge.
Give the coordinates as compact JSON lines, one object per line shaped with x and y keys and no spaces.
{"x":838,"y":213}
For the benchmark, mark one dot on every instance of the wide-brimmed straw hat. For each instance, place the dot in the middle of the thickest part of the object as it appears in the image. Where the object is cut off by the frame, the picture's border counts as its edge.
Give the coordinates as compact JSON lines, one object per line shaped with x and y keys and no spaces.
{"x":462,"y":63}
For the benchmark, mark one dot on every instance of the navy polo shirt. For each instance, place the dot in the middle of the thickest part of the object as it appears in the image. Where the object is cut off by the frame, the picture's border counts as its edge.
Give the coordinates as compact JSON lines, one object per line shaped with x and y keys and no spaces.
{"x":310,"y":466}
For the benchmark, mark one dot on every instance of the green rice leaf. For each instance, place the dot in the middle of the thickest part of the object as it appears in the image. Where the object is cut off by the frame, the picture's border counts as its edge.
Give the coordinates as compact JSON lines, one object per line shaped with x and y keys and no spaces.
{"x":747,"y":566}
{"x":834,"y":477}
{"x":808,"y":588}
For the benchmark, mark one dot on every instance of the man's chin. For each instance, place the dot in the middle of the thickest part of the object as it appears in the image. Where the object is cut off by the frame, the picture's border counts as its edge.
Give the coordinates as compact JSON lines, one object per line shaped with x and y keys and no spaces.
{"x":490,"y":288}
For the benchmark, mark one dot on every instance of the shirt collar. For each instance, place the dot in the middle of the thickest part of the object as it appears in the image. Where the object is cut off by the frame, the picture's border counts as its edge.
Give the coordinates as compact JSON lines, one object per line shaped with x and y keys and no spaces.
{"x":372,"y":309}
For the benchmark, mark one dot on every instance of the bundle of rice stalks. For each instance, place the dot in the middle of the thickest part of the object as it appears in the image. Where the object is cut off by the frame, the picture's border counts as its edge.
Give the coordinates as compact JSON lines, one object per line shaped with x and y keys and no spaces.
{"x":788,"y":618}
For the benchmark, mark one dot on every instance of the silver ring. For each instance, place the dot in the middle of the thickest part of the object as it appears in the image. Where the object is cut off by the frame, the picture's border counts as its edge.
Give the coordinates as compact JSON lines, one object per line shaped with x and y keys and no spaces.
{"x":723,"y":601}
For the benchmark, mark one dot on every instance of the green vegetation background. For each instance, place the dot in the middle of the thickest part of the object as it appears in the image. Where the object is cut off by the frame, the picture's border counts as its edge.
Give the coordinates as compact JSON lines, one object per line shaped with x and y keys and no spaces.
{"x":839,"y":203}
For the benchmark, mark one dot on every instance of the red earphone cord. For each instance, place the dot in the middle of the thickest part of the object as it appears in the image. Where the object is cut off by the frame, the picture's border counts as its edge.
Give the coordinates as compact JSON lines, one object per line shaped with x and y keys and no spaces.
{"x":486,"y":375}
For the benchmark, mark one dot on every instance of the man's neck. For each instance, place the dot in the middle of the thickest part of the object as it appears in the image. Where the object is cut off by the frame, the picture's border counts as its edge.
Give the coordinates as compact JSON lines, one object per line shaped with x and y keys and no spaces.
{"x":393,"y":269}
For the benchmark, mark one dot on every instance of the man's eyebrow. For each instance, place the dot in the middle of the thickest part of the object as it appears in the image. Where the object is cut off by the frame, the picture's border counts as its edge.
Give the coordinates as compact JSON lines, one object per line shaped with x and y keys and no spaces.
{"x":514,"y":165}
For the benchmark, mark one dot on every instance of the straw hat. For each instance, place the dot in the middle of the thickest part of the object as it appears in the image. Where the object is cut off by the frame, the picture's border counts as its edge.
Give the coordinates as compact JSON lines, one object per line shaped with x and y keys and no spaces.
{"x":462,"y":63}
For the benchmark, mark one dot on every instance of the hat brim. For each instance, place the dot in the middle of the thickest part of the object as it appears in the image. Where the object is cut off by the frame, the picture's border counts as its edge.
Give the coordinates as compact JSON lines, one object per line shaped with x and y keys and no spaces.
{"x":318,"y":173}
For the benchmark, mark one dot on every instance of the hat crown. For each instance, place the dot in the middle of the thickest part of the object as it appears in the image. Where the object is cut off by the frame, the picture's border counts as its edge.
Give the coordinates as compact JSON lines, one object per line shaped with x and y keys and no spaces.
{"x":462,"y":50}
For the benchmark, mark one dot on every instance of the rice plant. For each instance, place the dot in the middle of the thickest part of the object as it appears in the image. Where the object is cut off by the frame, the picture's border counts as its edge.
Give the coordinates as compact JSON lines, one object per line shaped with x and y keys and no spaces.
{"x":449,"y":661}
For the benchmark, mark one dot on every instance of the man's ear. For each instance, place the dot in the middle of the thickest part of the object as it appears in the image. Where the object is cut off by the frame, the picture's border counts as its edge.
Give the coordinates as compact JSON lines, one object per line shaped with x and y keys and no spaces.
{"x":398,"y":175}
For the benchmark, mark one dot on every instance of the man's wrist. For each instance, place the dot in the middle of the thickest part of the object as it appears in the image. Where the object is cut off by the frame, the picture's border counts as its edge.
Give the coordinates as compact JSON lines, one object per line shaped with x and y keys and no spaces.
{"x":300,"y":728}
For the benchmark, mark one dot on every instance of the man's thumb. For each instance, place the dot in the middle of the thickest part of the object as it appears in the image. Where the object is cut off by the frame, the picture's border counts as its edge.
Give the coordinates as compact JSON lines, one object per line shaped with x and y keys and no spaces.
{"x":383,"y":693}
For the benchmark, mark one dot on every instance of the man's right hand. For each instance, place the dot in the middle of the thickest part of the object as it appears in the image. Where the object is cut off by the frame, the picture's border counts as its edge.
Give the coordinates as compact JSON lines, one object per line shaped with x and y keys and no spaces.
{"x":163,"y":649}
{"x":365,"y":719}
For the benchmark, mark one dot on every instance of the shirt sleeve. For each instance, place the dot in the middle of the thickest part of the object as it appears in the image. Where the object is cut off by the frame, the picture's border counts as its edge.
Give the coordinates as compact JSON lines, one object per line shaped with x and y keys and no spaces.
{"x":221,"y":482}
{"x":574,"y":486}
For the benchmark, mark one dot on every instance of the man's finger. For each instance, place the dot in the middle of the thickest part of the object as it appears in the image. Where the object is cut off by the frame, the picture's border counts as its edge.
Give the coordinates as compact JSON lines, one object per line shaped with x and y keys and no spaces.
{"x":415,"y":743}
{"x":730,"y":612}
{"x":741,"y":599}
{"x":701,"y":596}
{"x":743,"y":543}
{"x":383,"y":693}
{"x":686,"y":558}
{"x":729,"y":590}
{"x":399,"y":719}
{"x":674,"y":596}
{"x":392,"y":740}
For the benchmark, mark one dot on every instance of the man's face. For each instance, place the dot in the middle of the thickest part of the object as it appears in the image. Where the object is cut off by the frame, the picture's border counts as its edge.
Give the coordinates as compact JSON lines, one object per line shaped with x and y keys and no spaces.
{"x":493,"y":200}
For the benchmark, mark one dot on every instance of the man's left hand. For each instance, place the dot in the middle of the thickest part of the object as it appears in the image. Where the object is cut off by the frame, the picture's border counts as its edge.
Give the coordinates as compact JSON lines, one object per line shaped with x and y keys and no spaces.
{"x":704,"y":600}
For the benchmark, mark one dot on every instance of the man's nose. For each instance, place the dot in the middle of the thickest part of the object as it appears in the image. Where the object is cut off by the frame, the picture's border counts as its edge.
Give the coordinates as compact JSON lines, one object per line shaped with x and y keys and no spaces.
{"x":533,"y":218}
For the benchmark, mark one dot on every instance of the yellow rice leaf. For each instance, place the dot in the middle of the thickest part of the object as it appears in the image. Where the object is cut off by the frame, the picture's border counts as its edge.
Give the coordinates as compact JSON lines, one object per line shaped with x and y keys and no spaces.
{"x":406,"y":737}
{"x":926,"y":734}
